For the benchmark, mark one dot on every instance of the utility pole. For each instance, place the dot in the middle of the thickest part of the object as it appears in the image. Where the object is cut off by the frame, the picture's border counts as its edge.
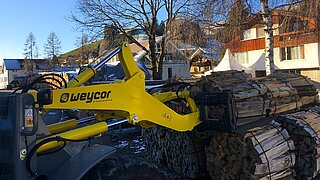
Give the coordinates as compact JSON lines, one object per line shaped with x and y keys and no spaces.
{"x":269,"y":39}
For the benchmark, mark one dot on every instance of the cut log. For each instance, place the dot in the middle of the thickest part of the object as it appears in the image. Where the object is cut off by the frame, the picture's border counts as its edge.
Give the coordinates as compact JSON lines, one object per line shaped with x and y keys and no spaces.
{"x":264,"y":152}
{"x":271,"y":95}
{"x":181,"y":152}
{"x":248,"y":154}
{"x":304,"y":128}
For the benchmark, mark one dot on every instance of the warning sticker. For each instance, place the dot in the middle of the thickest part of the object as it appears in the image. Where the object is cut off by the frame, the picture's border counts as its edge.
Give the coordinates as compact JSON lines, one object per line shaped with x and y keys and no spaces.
{"x":28,"y":117}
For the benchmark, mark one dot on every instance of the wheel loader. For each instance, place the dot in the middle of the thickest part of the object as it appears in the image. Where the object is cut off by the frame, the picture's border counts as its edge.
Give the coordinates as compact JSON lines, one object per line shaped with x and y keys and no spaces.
{"x":31,"y":149}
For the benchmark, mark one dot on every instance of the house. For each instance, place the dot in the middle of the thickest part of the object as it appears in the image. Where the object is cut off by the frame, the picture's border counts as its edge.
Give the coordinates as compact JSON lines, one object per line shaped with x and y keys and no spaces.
{"x":19,"y":72}
{"x":202,"y":59}
{"x":18,"y":67}
{"x":15,"y":68}
{"x":137,"y":34}
{"x":296,"y":46}
{"x":176,"y":63}
{"x":3,"y":77}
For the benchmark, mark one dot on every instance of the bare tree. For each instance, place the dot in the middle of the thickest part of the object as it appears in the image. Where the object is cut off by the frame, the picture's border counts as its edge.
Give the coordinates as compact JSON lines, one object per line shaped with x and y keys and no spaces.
{"x":226,"y":13}
{"x":123,"y":14}
{"x":82,"y":40}
{"x":80,"y":43}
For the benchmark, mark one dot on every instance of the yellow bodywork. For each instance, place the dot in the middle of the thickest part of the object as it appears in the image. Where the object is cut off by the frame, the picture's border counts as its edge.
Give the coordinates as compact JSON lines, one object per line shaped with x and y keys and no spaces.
{"x":82,"y":78}
{"x":76,"y":134}
{"x":62,"y":126}
{"x":125,"y":98}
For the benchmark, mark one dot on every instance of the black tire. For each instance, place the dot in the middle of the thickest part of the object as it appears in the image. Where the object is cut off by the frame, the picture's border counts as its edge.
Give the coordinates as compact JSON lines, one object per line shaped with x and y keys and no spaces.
{"x":124,"y":169}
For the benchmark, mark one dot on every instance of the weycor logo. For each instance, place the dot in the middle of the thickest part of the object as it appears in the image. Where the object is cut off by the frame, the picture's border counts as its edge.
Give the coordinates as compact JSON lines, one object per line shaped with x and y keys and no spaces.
{"x":88,"y":96}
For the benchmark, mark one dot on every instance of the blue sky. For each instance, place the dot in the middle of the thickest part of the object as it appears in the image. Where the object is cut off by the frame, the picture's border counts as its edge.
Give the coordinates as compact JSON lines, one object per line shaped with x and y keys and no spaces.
{"x":19,"y":17}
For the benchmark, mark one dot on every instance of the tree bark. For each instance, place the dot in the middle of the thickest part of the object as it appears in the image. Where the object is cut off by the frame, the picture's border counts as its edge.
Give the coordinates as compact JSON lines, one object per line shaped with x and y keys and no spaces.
{"x":269,"y":40}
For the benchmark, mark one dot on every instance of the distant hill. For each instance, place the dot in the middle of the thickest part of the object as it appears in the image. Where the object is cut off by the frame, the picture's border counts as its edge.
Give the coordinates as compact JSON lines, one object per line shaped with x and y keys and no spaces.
{"x":84,"y":53}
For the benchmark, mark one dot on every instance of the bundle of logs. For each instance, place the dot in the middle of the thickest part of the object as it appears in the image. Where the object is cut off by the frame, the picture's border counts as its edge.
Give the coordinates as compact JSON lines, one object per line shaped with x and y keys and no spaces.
{"x":304,"y":128}
{"x":181,"y":152}
{"x":260,"y":153}
{"x":257,"y":97}
{"x":267,"y":151}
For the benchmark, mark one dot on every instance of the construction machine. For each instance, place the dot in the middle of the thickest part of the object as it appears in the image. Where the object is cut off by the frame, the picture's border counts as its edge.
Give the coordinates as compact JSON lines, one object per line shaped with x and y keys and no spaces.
{"x":30,"y":149}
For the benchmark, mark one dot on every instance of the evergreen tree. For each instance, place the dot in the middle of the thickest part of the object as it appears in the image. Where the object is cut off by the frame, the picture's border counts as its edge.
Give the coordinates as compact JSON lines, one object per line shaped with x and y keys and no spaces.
{"x":31,"y":48}
{"x":53,"y":46}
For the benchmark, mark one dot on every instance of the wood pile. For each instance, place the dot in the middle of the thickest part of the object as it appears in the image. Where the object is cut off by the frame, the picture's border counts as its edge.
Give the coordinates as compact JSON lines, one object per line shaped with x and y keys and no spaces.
{"x":304,"y":86}
{"x":153,"y":138}
{"x":304,"y":128}
{"x":181,"y":152}
{"x":256,"y":97}
{"x":260,"y":153}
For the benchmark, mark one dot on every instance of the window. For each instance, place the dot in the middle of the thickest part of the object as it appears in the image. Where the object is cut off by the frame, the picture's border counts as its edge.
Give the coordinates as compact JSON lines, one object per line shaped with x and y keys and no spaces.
{"x":294,"y":24}
{"x":260,"y":32}
{"x":292,"y":53}
{"x":253,"y":33}
{"x":261,"y":73}
{"x":293,"y":71}
{"x":168,"y":57}
{"x":169,"y":72}
{"x":247,"y":34}
{"x":242,"y":57}
{"x":158,"y":47}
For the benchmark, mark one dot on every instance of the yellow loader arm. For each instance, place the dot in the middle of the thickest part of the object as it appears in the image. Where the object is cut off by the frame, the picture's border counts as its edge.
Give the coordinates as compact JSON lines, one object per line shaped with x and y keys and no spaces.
{"x":125,"y":98}
{"x":128,"y":96}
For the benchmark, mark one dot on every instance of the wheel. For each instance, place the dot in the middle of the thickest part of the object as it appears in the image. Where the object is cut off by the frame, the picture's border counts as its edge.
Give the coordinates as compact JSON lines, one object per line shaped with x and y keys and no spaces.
{"x":125,"y":169}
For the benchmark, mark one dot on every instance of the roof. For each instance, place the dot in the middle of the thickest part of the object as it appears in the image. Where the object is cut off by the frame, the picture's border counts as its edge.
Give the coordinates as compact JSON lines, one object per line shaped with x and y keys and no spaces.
{"x":184,"y":46}
{"x":145,"y":43}
{"x":198,"y":52}
{"x":136,"y":49}
{"x":13,"y":64}
{"x":42,"y":66}
{"x":64,"y":69}
{"x":16,"y":64}
{"x":113,"y":72}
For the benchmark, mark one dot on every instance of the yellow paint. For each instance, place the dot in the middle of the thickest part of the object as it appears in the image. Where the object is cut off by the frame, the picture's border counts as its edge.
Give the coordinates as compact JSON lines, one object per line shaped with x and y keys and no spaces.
{"x":124,"y":98}
{"x":82,"y":78}
{"x":62,"y":126}
{"x":76,"y":134}
{"x":128,"y":96}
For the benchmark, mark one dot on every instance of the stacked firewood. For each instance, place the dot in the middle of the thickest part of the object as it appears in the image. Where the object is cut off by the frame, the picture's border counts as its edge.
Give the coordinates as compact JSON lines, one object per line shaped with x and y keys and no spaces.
{"x":258,"y":97}
{"x":153,"y":138}
{"x":304,"y":86}
{"x":260,"y":153}
{"x":263,"y":152}
{"x":304,"y":128}
{"x":181,"y":152}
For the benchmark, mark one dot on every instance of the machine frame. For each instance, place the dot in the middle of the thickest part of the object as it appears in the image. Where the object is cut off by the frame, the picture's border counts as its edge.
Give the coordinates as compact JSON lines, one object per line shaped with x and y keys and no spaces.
{"x":126,"y":100}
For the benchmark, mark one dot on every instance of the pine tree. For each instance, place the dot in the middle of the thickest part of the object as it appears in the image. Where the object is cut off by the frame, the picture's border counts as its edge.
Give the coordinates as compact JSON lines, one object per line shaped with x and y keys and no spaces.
{"x":31,"y":48}
{"x":53,"y":46}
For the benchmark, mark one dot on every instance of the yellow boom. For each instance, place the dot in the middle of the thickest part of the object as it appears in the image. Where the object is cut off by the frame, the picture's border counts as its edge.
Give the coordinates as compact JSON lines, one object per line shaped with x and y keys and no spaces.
{"x":125,"y":98}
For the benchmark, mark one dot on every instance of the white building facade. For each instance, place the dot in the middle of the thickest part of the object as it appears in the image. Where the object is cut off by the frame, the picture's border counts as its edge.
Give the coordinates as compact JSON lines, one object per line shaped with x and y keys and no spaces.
{"x":296,"y":50}
{"x":3,"y":77}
